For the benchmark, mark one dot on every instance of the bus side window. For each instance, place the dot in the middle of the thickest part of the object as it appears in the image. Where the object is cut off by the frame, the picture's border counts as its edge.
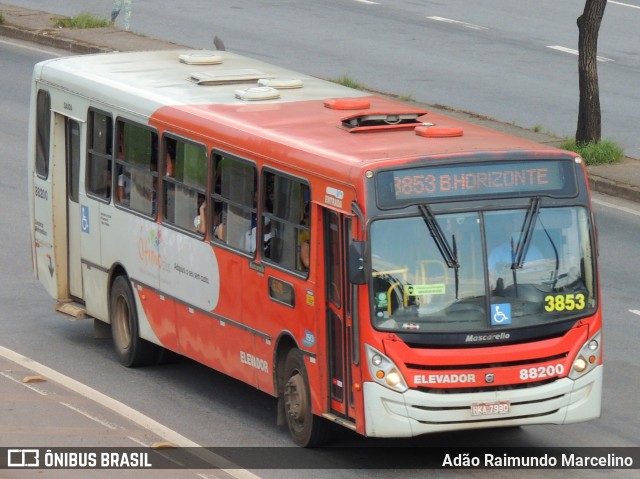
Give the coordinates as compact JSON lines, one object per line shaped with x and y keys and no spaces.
{"x":43,"y":133}
{"x":286,"y":214}
{"x":184,"y":184}
{"x":99,"y":154}
{"x":137,"y":167}
{"x":234,"y":203}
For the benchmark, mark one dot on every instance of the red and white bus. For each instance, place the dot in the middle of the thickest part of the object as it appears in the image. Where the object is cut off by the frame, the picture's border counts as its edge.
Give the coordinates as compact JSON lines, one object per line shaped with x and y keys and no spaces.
{"x":369,"y":263}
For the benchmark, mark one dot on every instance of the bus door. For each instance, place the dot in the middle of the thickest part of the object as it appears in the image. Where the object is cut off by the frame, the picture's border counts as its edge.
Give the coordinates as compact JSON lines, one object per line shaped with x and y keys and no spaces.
{"x":77,"y":216}
{"x":339,"y":338}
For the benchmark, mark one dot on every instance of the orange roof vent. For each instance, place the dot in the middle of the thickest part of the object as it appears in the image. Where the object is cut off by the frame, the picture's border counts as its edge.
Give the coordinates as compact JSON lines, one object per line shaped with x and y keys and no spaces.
{"x":347,"y":103}
{"x":440,"y":132}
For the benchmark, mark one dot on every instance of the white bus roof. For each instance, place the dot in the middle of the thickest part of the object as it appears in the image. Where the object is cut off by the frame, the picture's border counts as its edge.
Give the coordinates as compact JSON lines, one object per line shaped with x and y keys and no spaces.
{"x":159,"y":78}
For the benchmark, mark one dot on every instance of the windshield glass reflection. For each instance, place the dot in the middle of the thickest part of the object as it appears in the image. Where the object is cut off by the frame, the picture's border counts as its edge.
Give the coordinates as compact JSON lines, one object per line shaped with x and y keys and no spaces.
{"x":481,"y":271}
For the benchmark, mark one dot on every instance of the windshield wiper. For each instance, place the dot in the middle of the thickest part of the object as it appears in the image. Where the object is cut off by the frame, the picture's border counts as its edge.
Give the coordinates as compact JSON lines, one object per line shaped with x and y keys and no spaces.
{"x":449,"y":255}
{"x":526,"y":234}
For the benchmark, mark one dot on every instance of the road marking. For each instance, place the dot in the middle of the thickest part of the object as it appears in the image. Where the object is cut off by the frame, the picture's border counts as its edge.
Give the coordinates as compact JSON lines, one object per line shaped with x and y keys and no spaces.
{"x":576,"y":52}
{"x":458,"y":22}
{"x":127,"y":412}
{"x":89,"y":416}
{"x":26,"y":385}
{"x":368,"y":2}
{"x":634,"y":311}
{"x":624,"y":4}
{"x":616,"y":207}
{"x":26,"y":47}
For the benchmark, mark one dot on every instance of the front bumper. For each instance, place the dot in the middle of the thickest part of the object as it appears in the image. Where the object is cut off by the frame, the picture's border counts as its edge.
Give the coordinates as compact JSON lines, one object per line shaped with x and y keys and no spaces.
{"x":392,"y":414}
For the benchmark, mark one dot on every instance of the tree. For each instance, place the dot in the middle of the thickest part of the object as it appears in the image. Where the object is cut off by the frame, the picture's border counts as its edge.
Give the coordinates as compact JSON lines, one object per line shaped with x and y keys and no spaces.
{"x":589,"y":117}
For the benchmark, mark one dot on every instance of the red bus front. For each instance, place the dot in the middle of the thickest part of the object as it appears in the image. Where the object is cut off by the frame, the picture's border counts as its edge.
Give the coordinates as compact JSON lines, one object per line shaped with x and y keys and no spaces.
{"x":482,"y":295}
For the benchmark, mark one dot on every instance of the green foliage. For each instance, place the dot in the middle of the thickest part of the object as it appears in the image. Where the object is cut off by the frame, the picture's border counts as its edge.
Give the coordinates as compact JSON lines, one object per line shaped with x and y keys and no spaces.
{"x":347,"y":81}
{"x":600,"y":153}
{"x":83,"y":20}
{"x":406,"y":98}
{"x":1,"y":18}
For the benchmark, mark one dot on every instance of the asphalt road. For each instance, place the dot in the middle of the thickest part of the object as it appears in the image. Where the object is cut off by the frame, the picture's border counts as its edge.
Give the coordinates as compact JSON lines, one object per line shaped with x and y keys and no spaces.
{"x":510,"y":60}
{"x":215,"y":410}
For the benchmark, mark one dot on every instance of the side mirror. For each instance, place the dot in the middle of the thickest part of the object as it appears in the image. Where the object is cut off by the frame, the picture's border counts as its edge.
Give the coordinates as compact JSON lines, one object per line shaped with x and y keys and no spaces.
{"x":357,"y":263}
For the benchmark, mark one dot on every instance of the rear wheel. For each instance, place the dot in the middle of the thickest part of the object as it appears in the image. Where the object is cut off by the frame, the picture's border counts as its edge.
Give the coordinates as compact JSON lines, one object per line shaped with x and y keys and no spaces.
{"x":131,"y":349}
{"x":307,"y":430}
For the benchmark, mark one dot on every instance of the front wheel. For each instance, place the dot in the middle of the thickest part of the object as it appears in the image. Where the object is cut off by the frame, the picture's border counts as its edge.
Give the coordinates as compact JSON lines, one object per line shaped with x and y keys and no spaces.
{"x":306,"y":429}
{"x":131,"y":349}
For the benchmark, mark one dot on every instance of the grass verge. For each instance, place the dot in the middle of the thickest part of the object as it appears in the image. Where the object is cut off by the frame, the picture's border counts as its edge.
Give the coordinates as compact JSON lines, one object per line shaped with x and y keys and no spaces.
{"x":602,"y":153}
{"x":83,"y":20}
{"x":346,"y":80}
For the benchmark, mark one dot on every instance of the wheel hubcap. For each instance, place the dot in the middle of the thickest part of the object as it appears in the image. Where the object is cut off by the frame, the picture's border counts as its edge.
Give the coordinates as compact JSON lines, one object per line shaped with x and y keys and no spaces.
{"x":295,"y":399}
{"x":123,"y":328}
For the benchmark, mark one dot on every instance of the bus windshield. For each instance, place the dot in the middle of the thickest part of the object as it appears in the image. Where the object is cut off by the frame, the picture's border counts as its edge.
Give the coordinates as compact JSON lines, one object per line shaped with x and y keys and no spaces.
{"x":482,"y":270}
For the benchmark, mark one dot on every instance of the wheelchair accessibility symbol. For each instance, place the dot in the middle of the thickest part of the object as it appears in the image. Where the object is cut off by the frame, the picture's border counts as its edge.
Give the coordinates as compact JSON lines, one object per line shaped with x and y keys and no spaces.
{"x":500,"y":314}
{"x":84,"y":220}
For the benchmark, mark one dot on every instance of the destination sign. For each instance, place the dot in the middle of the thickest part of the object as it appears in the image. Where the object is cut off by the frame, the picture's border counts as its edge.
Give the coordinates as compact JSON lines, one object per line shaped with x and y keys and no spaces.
{"x":522,"y":178}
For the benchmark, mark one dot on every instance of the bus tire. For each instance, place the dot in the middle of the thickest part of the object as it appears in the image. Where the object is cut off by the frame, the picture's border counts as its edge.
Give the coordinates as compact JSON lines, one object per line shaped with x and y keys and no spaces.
{"x":306,"y":429}
{"x":131,"y":349}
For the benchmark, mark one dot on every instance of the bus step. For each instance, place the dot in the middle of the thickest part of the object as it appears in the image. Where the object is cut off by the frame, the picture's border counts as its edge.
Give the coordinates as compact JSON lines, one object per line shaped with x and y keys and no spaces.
{"x":74,"y":310}
{"x":339,"y":420}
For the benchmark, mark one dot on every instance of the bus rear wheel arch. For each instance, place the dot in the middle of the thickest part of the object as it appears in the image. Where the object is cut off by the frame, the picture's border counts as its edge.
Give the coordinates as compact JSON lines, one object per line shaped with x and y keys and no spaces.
{"x":306,"y":429}
{"x":131,"y":349}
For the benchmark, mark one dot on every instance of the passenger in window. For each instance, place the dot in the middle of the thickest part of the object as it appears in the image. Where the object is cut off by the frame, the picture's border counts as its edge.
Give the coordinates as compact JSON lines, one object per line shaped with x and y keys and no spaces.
{"x":124,"y":186}
{"x":152,"y":196}
{"x":507,"y":234}
{"x":200,"y":221}
{"x":305,"y":250}
{"x":249,"y":243}
{"x":250,"y":236}
{"x":169,"y":191}
{"x":219,"y":221}
{"x":171,"y":157}
{"x":120,"y":148}
{"x":107,"y":181}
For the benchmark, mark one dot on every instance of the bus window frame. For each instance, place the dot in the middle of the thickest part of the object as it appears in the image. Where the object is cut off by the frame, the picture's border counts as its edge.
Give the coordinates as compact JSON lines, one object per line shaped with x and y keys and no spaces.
{"x":164,"y":178}
{"x":91,"y":154}
{"x":118,"y":163}
{"x":43,"y":148}
{"x":267,"y":170}
{"x":216,"y":156}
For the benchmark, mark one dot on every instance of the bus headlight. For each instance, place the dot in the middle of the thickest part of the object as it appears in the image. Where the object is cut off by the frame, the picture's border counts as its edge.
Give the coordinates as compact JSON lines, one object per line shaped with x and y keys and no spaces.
{"x":384,"y":371}
{"x":587,"y":358}
{"x":580,"y":365}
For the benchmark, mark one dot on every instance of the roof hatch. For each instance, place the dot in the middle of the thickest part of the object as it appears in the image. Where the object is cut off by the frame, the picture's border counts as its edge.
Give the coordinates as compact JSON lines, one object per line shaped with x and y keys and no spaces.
{"x":280,"y":83}
{"x":382,"y":121}
{"x":222,"y":77}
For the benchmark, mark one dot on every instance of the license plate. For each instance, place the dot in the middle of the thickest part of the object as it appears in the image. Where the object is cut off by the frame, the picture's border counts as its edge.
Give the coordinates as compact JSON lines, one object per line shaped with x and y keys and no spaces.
{"x":489,"y":408}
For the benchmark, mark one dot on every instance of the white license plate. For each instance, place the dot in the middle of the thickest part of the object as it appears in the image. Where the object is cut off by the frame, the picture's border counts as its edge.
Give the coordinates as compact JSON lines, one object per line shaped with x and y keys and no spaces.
{"x":489,"y":408}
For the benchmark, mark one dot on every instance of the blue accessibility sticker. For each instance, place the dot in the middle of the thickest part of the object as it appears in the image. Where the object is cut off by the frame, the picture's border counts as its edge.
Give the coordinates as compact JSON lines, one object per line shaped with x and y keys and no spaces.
{"x":84,"y":218}
{"x":500,"y":314}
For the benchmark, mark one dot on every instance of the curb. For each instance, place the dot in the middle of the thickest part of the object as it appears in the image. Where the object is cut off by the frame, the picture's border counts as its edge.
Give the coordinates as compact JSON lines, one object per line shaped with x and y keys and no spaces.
{"x":613,"y":188}
{"x":48,"y":38}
